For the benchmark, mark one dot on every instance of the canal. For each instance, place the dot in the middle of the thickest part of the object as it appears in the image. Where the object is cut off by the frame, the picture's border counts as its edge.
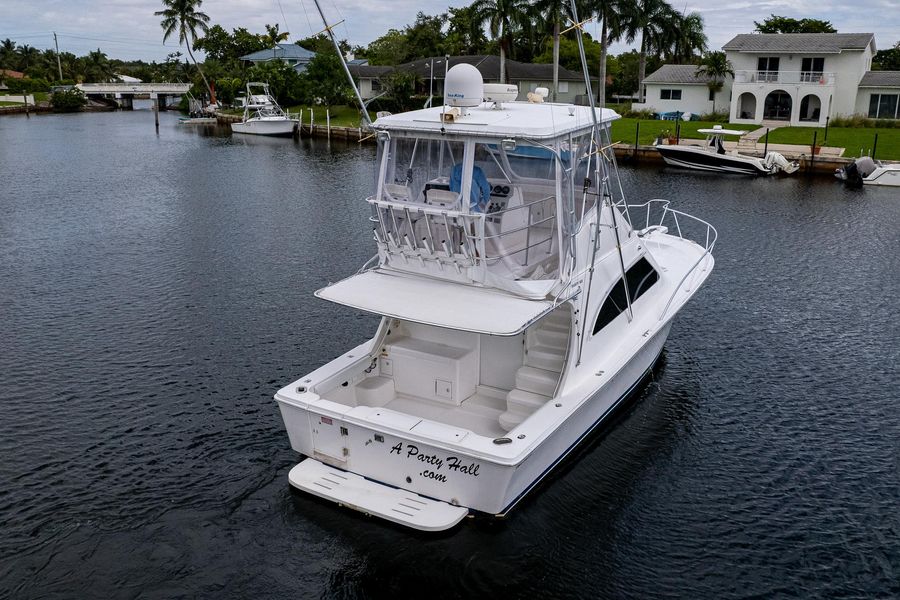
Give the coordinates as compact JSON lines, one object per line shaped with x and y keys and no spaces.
{"x":156,"y":290}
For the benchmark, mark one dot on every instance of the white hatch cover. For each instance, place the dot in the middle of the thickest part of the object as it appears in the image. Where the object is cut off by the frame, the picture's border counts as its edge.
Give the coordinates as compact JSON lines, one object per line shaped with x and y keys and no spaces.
{"x":435,"y":302}
{"x":358,"y":493}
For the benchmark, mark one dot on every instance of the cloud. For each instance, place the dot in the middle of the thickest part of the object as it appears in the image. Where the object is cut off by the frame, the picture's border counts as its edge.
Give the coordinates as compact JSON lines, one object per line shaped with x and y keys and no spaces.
{"x":128,"y":29}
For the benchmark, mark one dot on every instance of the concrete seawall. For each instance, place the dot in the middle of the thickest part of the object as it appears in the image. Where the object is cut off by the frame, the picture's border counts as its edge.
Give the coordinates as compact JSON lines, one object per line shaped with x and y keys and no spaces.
{"x":813,"y":165}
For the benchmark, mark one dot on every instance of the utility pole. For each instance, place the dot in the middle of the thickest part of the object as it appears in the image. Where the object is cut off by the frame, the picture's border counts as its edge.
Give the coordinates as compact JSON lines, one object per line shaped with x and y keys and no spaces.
{"x":58,"y":63}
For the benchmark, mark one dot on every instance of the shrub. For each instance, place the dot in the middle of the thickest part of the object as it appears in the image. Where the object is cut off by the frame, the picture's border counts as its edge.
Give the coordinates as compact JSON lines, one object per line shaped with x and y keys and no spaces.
{"x":68,"y":100}
{"x":27,"y":85}
{"x":639,"y":114}
{"x":715,"y":117}
{"x":861,"y":121}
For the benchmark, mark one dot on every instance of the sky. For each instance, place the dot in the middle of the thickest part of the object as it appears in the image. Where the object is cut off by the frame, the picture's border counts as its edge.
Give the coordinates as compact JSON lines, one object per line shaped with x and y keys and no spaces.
{"x":127,"y":29}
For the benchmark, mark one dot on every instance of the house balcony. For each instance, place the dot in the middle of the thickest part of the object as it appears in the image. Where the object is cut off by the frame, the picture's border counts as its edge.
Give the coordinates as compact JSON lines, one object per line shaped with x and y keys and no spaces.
{"x":785,"y":77}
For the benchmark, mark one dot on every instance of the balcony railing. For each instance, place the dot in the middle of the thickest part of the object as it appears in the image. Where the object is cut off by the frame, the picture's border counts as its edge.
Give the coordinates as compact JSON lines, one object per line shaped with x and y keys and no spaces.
{"x":794,"y":77}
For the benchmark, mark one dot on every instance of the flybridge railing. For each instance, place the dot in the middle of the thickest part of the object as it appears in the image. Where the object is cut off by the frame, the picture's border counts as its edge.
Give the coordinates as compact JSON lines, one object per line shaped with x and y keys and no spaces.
{"x":808,"y":77}
{"x":678,"y":223}
{"x":515,"y":242}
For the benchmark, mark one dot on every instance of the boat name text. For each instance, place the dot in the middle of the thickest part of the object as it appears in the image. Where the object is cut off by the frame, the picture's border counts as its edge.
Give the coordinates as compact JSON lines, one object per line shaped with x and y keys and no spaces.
{"x":450,"y":463}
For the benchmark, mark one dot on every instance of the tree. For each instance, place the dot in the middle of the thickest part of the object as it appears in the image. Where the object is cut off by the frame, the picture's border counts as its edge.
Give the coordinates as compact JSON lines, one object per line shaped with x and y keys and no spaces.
{"x":284,"y":82}
{"x":614,"y":17}
{"x":389,"y":49}
{"x":182,"y":16}
{"x":887,"y":60}
{"x":97,"y":67}
{"x":424,"y":37}
{"x":325,"y":81}
{"x":502,"y":17}
{"x":717,"y":67}
{"x":322,"y":43}
{"x":272,"y":36}
{"x":569,"y":56}
{"x":654,"y":21}
{"x":777,"y":24}
{"x":465,"y":36}
{"x":217,"y":43}
{"x":687,"y":37}
{"x":552,"y":14}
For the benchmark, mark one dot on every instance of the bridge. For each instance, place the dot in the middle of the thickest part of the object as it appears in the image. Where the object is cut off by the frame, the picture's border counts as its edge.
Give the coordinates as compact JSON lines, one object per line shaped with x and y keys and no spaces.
{"x":123,"y":94}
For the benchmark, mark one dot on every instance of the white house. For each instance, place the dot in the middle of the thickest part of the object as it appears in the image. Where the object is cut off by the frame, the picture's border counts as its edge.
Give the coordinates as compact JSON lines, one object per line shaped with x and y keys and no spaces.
{"x":798,"y":78}
{"x":682,"y":88}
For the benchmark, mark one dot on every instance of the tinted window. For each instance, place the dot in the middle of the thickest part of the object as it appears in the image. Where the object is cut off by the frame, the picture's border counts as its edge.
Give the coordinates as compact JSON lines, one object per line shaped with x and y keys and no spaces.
{"x":641,"y":276}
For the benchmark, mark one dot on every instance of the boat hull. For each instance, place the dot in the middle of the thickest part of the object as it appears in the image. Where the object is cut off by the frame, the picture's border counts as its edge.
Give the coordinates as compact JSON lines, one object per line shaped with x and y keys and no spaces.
{"x":280,"y":127}
{"x":475,"y":482}
{"x":695,"y":157}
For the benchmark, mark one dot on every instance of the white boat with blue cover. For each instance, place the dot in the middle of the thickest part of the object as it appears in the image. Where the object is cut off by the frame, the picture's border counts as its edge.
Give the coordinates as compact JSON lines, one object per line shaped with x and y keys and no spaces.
{"x":522,"y":300}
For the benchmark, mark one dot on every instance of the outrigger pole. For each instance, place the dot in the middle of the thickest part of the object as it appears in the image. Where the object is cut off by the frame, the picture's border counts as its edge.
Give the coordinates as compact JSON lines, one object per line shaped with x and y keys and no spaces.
{"x":328,"y":29}
{"x":603,"y":185}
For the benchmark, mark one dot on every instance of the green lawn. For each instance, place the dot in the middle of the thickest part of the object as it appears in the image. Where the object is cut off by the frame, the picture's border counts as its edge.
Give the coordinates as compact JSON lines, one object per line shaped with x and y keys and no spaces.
{"x":857,"y":141}
{"x":623,"y":130}
{"x":4,"y":103}
{"x":341,"y":116}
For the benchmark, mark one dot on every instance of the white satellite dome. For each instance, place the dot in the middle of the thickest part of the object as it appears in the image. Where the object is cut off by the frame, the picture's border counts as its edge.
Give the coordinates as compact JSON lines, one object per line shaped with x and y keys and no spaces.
{"x":464,"y":86}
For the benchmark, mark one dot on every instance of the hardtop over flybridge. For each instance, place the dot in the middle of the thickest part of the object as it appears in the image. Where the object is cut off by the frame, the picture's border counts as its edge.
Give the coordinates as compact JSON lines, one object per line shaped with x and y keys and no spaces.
{"x":522,"y":300}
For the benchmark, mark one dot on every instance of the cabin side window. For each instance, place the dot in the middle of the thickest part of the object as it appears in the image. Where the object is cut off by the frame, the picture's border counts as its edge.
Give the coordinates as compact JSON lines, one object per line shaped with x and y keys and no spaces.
{"x":641,"y":277}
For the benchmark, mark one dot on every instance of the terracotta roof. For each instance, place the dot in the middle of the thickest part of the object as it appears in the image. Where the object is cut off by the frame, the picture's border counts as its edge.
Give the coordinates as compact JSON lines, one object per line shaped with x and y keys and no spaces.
{"x":684,"y":74}
{"x":880,"y":79}
{"x":12,"y":74}
{"x":800,"y":43}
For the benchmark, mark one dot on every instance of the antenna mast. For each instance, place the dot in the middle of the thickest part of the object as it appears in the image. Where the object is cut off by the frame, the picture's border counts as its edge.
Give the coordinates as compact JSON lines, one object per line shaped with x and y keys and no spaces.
{"x":362,"y":105}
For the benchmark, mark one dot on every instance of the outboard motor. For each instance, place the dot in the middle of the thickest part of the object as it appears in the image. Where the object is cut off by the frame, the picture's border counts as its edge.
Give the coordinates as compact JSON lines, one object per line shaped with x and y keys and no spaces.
{"x":854,"y":173}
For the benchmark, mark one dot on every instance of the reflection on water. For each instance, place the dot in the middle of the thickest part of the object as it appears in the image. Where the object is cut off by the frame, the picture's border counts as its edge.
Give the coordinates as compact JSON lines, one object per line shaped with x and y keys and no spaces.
{"x":156,"y":289}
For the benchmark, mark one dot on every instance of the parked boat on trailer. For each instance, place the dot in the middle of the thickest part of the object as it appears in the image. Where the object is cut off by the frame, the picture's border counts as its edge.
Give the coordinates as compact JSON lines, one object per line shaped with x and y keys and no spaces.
{"x":262,"y":115}
{"x":711,"y":155}
{"x":521,"y":301}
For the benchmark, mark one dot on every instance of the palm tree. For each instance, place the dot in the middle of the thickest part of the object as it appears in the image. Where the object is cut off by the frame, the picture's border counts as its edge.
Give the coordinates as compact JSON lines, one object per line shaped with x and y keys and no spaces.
{"x":7,"y":53}
{"x":688,"y":37}
{"x":97,"y":68}
{"x":501,"y":16}
{"x":653,"y":20}
{"x":27,"y":56}
{"x":183,"y":16}
{"x":273,"y":36}
{"x":614,"y":16}
{"x":716,"y":67}
{"x":553,"y":13}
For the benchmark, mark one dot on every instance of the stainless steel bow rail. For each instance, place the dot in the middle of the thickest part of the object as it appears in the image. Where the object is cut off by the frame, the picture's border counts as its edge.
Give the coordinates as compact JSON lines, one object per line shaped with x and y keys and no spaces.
{"x":669,"y":217}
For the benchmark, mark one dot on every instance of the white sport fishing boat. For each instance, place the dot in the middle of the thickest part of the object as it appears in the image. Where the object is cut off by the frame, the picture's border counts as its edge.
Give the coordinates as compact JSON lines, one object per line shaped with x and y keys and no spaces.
{"x":522,"y":300}
{"x":712,"y":156}
{"x":868,"y":171}
{"x":262,"y":115}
